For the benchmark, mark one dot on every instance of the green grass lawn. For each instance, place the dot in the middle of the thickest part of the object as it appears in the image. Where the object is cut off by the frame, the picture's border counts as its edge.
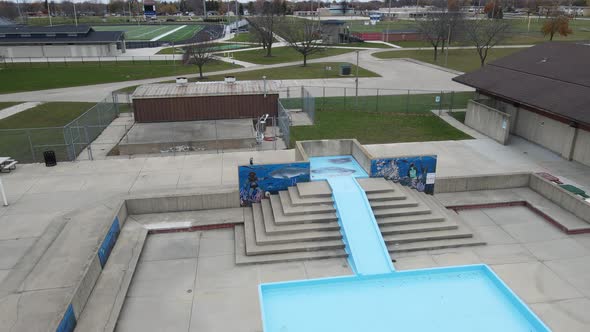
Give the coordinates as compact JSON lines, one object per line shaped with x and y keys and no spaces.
{"x":312,"y":70}
{"x":15,"y":142}
{"x":171,"y":50}
{"x":39,"y":76}
{"x":464,"y":60}
{"x":244,"y":37}
{"x":401,"y":103}
{"x":215,"y":47}
{"x":7,"y":104}
{"x":284,"y":54}
{"x":374,"y":128}
{"x":459,"y":116}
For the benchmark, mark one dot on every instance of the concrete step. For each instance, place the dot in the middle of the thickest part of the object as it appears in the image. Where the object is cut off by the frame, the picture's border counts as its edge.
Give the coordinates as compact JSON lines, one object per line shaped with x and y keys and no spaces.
{"x":375,"y":185}
{"x":242,"y":258}
{"x":282,"y":219}
{"x":458,"y":233}
{"x":385,"y":196}
{"x":290,"y":209}
{"x":263,"y":238}
{"x":296,"y":199}
{"x":411,"y":219}
{"x":433,"y":245}
{"x":314,"y":189}
{"x":108,"y":295}
{"x":252,"y":248}
{"x":417,"y":228}
{"x":271,"y":227}
{"x":393,"y":204}
{"x":402,"y":211}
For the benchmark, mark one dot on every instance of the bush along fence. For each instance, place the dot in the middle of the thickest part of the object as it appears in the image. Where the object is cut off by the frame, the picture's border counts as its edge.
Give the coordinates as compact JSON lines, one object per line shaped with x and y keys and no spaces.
{"x":28,"y":145}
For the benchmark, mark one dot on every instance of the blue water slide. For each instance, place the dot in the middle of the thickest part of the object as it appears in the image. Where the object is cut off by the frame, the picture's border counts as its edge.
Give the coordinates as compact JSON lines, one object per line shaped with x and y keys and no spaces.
{"x":364,"y":243}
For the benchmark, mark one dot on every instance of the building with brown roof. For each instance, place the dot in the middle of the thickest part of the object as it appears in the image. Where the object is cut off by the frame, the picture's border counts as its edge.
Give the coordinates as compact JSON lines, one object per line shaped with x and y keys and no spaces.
{"x":541,"y":94}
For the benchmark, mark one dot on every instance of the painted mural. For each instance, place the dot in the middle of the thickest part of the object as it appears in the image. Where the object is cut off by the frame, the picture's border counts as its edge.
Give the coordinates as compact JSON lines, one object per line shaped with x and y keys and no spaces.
{"x":414,"y":172}
{"x":257,"y":180}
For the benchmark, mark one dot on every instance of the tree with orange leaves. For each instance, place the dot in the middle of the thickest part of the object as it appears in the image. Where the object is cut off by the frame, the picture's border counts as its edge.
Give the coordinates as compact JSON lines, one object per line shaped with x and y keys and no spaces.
{"x":557,"y":24}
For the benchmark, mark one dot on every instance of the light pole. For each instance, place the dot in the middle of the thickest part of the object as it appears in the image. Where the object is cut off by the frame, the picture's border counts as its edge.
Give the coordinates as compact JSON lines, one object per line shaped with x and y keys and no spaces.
{"x":75,"y":15}
{"x":356,"y":79}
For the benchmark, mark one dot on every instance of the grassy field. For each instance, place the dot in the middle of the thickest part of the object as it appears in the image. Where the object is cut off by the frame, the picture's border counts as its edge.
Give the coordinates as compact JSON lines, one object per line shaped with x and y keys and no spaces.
{"x":244,"y":37}
{"x":464,"y":60}
{"x":374,"y":128}
{"x":17,"y":143}
{"x":370,"y":45}
{"x":38,"y":76}
{"x":400,"y":103}
{"x":7,"y":104}
{"x":312,"y":70}
{"x":284,"y":54}
{"x":459,"y":116}
{"x":148,"y":32}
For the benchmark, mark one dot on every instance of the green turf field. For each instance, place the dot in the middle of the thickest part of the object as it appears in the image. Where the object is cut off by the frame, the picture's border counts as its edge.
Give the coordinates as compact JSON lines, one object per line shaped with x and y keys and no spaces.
{"x":149,"y":32}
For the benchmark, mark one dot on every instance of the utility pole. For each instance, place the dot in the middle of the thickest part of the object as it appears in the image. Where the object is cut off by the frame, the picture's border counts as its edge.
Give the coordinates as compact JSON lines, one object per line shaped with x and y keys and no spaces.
{"x":49,"y":14}
{"x":388,"y":21}
{"x":75,"y":15}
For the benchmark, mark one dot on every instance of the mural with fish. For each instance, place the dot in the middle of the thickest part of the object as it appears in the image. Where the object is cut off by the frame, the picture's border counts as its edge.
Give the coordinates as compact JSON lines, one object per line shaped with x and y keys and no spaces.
{"x":256,"y":180}
{"x":416,"y":172}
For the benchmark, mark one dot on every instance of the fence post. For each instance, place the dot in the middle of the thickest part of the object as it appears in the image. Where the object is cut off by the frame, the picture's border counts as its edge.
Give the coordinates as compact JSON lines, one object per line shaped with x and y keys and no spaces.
{"x":451,"y":102}
{"x":302,"y":99}
{"x":408,"y":102}
{"x":377,"y":102}
{"x":440,"y":103}
{"x":323,"y":97}
{"x":31,"y":146}
{"x":345,"y":99}
{"x":90,"y":157}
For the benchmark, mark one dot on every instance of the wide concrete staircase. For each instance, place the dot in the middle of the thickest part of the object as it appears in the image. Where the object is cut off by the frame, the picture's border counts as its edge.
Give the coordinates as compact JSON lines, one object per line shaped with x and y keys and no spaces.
{"x":301,"y":223}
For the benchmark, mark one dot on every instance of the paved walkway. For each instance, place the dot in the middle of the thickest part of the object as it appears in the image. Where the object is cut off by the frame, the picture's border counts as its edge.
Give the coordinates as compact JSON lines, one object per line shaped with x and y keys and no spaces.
{"x":10,"y":111}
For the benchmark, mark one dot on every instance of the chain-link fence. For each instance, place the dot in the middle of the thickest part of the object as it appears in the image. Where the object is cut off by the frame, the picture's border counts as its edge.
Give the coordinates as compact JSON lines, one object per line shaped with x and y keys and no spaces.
{"x":27,"y":145}
{"x":372,"y":100}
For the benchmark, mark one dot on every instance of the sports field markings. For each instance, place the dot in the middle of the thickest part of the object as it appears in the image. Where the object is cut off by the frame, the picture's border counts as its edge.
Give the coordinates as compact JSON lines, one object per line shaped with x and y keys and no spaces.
{"x":167,"y":33}
{"x":150,"y":31}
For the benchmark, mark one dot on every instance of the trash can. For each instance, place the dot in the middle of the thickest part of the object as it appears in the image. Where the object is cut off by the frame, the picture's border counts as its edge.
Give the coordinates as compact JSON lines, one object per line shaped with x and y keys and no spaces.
{"x":345,"y":70}
{"x":50,"y":159}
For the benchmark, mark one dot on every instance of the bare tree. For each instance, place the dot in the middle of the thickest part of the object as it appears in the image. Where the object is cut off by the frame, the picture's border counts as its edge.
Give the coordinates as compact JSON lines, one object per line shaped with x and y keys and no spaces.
{"x":304,"y":36}
{"x":484,"y":34}
{"x":200,"y":55}
{"x":433,"y":28}
{"x":264,"y":25}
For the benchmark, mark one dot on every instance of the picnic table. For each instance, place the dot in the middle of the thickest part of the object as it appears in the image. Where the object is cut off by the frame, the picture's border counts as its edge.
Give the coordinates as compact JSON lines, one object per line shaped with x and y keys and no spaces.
{"x":7,"y":164}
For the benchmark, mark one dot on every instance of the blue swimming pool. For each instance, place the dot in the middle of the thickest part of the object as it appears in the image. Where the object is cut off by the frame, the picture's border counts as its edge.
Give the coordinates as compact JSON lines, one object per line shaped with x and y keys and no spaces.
{"x":378,"y":298}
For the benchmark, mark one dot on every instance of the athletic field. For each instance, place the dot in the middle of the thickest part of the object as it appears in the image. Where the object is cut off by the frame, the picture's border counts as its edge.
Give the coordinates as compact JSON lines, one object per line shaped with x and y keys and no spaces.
{"x":168,"y":33}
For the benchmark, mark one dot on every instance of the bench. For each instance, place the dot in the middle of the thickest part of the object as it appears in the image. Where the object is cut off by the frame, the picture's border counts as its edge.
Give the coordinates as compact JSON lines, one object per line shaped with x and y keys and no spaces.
{"x":9,"y":165}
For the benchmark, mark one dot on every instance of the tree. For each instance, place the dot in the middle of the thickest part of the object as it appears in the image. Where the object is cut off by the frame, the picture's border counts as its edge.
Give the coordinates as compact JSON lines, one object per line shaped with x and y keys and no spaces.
{"x":432,"y":28}
{"x":484,"y":34}
{"x":556,"y":24}
{"x":304,"y":36}
{"x":200,"y":55}
{"x":494,"y":10}
{"x":263,"y":26}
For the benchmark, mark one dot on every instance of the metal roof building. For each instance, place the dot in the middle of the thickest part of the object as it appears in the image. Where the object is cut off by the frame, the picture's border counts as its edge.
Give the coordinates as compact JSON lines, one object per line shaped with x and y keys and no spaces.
{"x":204,"y":101}
{"x":59,"y":41}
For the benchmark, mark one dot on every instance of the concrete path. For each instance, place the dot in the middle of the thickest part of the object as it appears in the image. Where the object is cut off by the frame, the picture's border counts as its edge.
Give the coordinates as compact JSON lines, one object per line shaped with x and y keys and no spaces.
{"x":10,"y":111}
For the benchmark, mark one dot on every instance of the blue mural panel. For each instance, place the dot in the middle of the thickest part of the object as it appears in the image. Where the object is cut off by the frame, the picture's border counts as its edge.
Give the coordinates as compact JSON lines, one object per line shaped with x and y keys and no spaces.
{"x":415,"y":172}
{"x":109,"y":242}
{"x":256,"y":180}
{"x":68,"y":322}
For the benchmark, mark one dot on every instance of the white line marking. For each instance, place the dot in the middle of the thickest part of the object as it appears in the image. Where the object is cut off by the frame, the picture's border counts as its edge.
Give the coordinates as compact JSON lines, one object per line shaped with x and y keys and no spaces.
{"x":167,"y":33}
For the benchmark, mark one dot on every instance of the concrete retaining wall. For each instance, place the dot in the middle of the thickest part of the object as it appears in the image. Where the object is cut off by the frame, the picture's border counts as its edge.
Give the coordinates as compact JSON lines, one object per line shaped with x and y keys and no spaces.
{"x":488,"y":121}
{"x":336,"y":147}
{"x":58,"y":51}
{"x":565,"y":199}
{"x":481,"y":182}
{"x":184,"y":202}
{"x":581,"y":151}
{"x":549,"y":133}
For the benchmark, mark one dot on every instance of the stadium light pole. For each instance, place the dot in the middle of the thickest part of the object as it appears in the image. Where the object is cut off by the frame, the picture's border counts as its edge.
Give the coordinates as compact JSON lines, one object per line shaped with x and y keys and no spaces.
{"x":75,"y":15}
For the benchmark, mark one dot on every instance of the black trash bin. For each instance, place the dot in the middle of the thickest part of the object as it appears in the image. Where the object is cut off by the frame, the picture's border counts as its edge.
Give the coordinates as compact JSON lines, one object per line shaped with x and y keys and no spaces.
{"x":50,"y":159}
{"x":345,"y":70}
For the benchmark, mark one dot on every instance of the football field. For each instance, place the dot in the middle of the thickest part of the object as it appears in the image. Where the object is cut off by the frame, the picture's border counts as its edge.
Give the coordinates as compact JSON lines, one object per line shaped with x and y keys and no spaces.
{"x":169,"y":33}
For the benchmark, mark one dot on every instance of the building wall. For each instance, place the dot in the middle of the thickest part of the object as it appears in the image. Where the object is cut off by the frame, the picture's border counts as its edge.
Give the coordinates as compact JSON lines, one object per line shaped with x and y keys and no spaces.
{"x":204,"y":108}
{"x":38,"y":51}
{"x":549,"y":133}
{"x":488,"y":121}
{"x":582,"y":147}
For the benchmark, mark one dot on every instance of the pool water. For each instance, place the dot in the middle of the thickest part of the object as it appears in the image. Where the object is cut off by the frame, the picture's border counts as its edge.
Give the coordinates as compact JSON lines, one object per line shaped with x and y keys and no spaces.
{"x":378,"y":298}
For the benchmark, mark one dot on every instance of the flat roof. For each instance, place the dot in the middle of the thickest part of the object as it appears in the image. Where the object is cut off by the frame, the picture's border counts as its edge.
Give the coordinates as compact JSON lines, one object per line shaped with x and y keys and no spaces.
{"x":218,"y":88}
{"x":553,"y":77}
